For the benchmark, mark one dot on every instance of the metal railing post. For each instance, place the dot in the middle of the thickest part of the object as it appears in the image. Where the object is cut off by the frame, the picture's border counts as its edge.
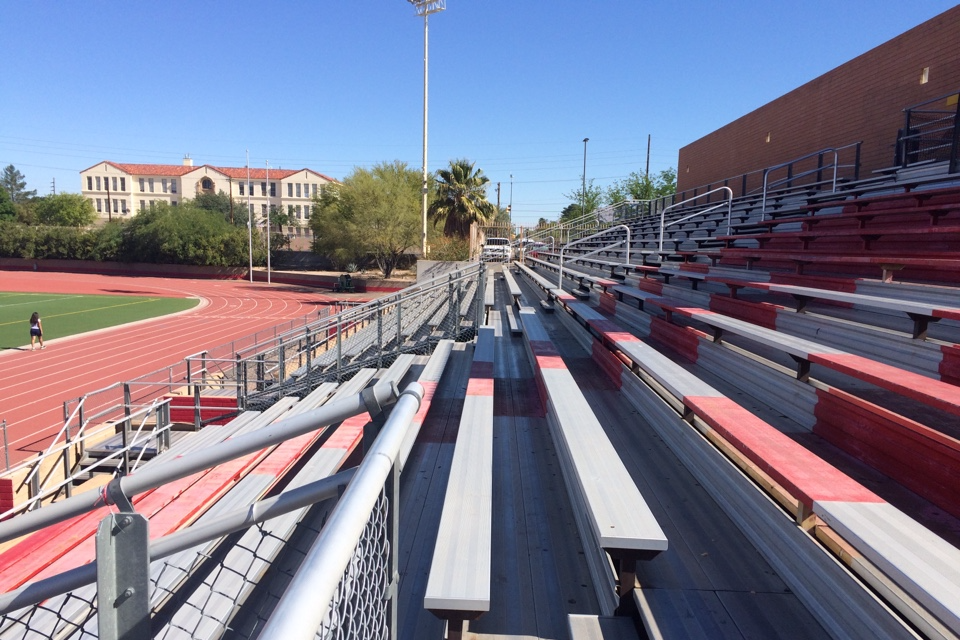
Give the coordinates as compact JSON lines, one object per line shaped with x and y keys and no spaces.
{"x":954,"y":163}
{"x":339,"y":348}
{"x":126,"y":427}
{"x":196,"y":407}
{"x":6,"y":446}
{"x":379,"y":334}
{"x":67,"y":464}
{"x":399,"y":326}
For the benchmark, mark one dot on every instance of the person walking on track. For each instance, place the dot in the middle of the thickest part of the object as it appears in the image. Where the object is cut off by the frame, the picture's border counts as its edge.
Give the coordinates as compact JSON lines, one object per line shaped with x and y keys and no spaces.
{"x":36,"y":330}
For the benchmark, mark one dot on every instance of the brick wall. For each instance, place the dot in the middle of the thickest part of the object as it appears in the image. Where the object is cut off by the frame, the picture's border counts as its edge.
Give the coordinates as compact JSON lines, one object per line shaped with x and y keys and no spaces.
{"x":860,"y":100}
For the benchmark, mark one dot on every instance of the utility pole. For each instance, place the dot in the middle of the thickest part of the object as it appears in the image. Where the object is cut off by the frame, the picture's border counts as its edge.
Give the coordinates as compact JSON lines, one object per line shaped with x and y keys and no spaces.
{"x":53,"y":186}
{"x":648,"y":156}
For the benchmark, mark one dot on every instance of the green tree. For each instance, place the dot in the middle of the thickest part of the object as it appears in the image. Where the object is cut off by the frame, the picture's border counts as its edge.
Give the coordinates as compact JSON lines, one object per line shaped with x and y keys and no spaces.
{"x":65,"y":210}
{"x":638,"y":186}
{"x":7,"y":210}
{"x":233,"y":211}
{"x":582,"y":202}
{"x":185,"y":235}
{"x":461,"y":199}
{"x":373,"y":214}
{"x":15,"y":184}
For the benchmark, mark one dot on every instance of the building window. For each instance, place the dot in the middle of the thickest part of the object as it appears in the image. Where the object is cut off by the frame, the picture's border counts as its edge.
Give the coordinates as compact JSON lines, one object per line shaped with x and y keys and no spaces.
{"x":114,"y":184}
{"x":289,"y":189}
{"x":143,"y":203}
{"x":314,"y":189}
{"x":173,"y":203}
{"x":151,"y":203}
{"x":263,"y":210}
{"x":142,"y":187}
{"x":298,"y":189}
{"x":151,"y":187}
{"x":241,"y":188}
{"x":89,"y":183}
{"x":263,"y":188}
{"x":116,"y":205}
{"x":290,"y":210}
{"x":299,"y":212}
{"x":123,"y":185}
{"x":123,"y":204}
{"x":163,"y":183}
{"x":206,"y":184}
{"x":99,"y":205}
{"x":306,"y":212}
{"x":173,"y":185}
{"x":273,"y":189}
{"x":98,"y":183}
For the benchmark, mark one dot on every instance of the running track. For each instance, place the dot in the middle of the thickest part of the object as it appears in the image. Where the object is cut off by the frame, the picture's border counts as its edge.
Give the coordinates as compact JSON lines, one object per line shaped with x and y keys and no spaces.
{"x":34,"y":385}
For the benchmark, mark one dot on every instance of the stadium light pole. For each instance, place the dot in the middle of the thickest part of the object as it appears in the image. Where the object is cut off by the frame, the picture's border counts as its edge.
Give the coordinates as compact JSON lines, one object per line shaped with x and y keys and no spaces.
{"x":249,"y":218}
{"x":583,"y":188}
{"x":425,"y":8}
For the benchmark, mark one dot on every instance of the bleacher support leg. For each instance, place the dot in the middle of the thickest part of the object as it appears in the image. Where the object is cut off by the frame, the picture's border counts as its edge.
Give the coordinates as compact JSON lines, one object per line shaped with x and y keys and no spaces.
{"x":455,"y":629}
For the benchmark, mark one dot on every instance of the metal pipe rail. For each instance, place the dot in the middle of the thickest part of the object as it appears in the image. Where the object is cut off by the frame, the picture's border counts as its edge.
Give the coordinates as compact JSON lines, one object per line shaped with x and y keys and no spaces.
{"x":306,"y":603}
{"x":816,"y":154}
{"x":40,"y":491}
{"x":600,"y":233}
{"x":663,"y":214}
{"x":242,"y":518}
{"x":407,"y":295}
{"x":152,"y":477}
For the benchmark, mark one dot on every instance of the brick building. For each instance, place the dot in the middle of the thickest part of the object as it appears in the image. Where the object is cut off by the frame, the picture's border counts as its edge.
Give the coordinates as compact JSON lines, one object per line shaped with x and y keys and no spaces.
{"x":122,"y":189}
{"x":861,"y":100}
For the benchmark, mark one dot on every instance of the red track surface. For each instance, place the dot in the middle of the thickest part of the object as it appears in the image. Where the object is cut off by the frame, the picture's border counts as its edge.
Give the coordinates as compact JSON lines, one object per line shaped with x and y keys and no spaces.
{"x":34,"y":385}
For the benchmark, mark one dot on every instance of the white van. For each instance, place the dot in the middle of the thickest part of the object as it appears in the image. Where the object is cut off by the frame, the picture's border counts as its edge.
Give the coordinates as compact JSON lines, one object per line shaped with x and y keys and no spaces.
{"x":496,"y":250}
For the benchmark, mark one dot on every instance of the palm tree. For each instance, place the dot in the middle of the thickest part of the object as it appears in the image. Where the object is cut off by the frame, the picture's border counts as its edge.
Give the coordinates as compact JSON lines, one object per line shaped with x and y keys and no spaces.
{"x":461,"y":199}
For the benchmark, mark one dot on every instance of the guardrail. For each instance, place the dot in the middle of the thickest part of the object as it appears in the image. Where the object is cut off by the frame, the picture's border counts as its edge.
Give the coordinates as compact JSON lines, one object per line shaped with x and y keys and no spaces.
{"x":349,"y":577}
{"x":663,"y":214}
{"x":818,"y":170}
{"x":123,"y":559}
{"x":595,"y":252}
{"x":931,"y":133}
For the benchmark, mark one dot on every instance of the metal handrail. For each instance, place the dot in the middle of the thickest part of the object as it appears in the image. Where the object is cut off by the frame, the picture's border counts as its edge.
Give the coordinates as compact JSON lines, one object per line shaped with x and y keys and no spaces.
{"x":663,"y":214}
{"x":766,"y":172}
{"x":306,"y":601}
{"x":236,"y":520}
{"x":590,"y":237}
{"x":836,"y":165}
{"x":151,"y":477}
{"x":41,"y":491}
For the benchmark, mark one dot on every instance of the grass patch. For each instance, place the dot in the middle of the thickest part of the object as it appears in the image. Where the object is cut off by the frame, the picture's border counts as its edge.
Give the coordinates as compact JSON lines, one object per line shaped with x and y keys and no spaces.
{"x":66,"y":315}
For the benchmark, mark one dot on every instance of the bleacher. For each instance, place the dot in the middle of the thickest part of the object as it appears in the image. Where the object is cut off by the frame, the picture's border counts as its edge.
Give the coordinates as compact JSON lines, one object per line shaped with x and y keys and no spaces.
{"x":703,"y":442}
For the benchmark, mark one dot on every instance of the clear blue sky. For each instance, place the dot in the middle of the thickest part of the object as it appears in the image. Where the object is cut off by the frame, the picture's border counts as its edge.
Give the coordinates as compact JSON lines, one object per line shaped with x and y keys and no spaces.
{"x":514,"y":86}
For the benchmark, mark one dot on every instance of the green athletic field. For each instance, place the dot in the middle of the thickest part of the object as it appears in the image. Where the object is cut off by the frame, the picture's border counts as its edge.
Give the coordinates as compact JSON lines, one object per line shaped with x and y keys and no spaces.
{"x":65,"y":314}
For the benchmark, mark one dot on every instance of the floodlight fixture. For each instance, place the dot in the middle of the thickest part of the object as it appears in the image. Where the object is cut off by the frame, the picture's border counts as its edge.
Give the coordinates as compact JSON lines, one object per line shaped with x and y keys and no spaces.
{"x":426,"y":7}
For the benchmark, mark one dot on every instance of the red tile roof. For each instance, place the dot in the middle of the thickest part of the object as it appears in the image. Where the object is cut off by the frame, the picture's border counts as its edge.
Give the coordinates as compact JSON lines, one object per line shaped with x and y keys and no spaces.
{"x":238,"y":173}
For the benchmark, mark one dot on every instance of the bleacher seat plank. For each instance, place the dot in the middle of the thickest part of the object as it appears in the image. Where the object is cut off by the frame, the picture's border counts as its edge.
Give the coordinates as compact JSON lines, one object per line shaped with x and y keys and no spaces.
{"x":458,"y":587}
{"x":922,"y":563}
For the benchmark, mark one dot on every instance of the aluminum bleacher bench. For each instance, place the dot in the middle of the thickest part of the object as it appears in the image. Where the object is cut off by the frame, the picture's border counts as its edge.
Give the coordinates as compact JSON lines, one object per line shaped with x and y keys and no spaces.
{"x":612,"y":516}
{"x":458,"y":588}
{"x":887,"y":264}
{"x":922,"y":314}
{"x":935,"y":393}
{"x":512,"y":288}
{"x":896,"y":547}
